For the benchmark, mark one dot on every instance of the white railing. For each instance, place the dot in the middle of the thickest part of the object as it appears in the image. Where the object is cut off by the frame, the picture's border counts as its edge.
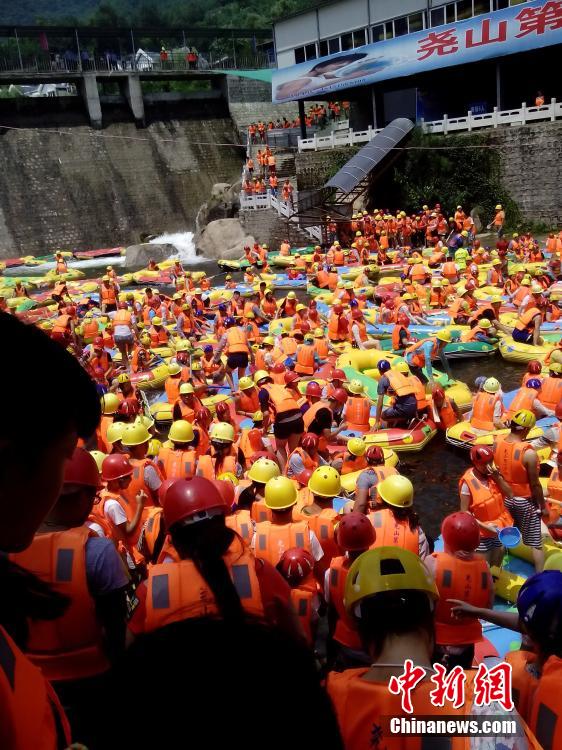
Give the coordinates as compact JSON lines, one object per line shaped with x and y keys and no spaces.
{"x":283,"y":208}
{"x":469,"y":123}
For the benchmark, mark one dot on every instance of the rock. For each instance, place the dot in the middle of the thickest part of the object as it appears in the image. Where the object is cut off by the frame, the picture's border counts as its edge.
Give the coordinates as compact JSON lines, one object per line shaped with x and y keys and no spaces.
{"x":223,"y":238}
{"x":476,"y":212}
{"x":137,"y":256}
{"x":220,"y":191}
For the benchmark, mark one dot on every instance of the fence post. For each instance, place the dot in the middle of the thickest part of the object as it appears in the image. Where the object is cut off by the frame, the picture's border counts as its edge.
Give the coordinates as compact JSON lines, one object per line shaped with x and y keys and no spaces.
{"x":332,"y":140}
{"x":445,"y":124}
{"x":350,"y":137}
{"x":370,"y":135}
{"x":552,"y":109}
{"x":422,"y":125}
{"x":523,"y":113}
{"x":315,"y":142}
{"x":495,"y":117}
{"x":469,"y":120}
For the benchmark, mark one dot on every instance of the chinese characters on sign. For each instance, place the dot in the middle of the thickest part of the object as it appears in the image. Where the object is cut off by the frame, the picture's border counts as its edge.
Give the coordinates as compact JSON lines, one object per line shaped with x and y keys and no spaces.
{"x":450,"y":688}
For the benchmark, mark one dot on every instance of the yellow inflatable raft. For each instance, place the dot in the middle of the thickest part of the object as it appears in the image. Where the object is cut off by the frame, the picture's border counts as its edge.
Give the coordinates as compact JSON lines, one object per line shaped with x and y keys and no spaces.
{"x":514,"y":351}
{"x":348,"y":481}
{"x":162,"y":410}
{"x":464,"y":435}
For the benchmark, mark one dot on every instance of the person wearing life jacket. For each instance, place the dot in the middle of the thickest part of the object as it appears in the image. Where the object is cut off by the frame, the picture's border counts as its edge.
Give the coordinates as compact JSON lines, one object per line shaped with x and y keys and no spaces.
{"x":90,"y":328}
{"x":99,"y":358}
{"x":247,"y":401}
{"x":296,"y":565}
{"x":196,"y":583}
{"x":75,"y":650}
{"x":527,"y":328}
{"x":224,"y":412}
{"x":129,"y":403}
{"x":239,"y":354}
{"x":421,"y":354}
{"x":305,"y":458}
{"x":283,"y":411}
{"x":354,"y":535}
{"x":280,"y":532}
{"x":113,"y":437}
{"x":529,"y":397}
{"x":63,"y":330}
{"x":459,"y":573}
{"x":366,"y":494}
{"x":223,"y":455}
{"x":397,"y":523}
{"x":338,"y":325}
{"x":323,"y":486}
{"x":483,"y":492}
{"x":483,"y":331}
{"x":535,"y":673}
{"x":318,"y":418}
{"x":353,"y":458}
{"x":487,"y":408}
{"x":393,"y":383}
{"x":550,"y":392}
{"x":519,"y":464}
{"x":108,"y":295}
{"x":178,"y":458}
{"x":109,"y":406}
{"x":358,"y":408}
{"x":147,"y":476}
{"x":401,"y":336}
{"x":444,"y":411}
{"x":252,"y":498}
{"x":306,"y":358}
{"x":359,"y":336}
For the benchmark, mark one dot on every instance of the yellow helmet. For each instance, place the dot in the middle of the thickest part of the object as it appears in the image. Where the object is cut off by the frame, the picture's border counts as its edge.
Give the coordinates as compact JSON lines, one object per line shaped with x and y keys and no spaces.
{"x":181,"y":431}
{"x":443,"y":335}
{"x":291,"y":295}
{"x":135,"y":434}
{"x":496,"y":262}
{"x":280,"y":493}
{"x":196,"y":366}
{"x":491,"y":385}
{"x":524,"y":418}
{"x":228,"y":476}
{"x":182,"y":345}
{"x":485,"y":323}
{"x":154,"y":446}
{"x":356,"y":446}
{"x":123,"y":378}
{"x":89,"y":314}
{"x":435,"y":282}
{"x":407,"y":297}
{"x":223,"y":432}
{"x":174,"y":368}
{"x":146,"y":420}
{"x":156,"y":321}
{"x":402,"y":367}
{"x":115,"y":431}
{"x":109,"y":403}
{"x":257,"y":416}
{"x":495,"y":299}
{"x":325,"y":481}
{"x":318,"y":333}
{"x":260,"y":375}
{"x":397,"y":490}
{"x":555,"y":367}
{"x":186,"y":388}
{"x":372,"y":573}
{"x":554,"y":562}
{"x":300,"y":307}
{"x":269,"y":340}
{"x":145,"y":339}
{"x":263,"y":470}
{"x":245,"y":382}
{"x":98,"y":457}
{"x":499,"y":207}
{"x":249,"y":315}
{"x":355,"y":386}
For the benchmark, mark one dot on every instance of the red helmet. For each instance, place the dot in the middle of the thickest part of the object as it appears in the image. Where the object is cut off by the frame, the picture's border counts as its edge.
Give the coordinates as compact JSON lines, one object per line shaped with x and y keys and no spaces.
{"x":357,"y":315}
{"x":202,"y":414}
{"x":98,"y":343}
{"x":337,"y":375}
{"x":338,"y":309}
{"x":374,"y":455}
{"x":389,"y":304}
{"x":403,"y":320}
{"x":291,"y":377}
{"x":339,"y":395}
{"x":226,"y":490}
{"x":115,"y":466}
{"x":304,"y":477}
{"x":164,"y":487}
{"x":309,"y":440}
{"x":355,"y":532}
{"x":278,"y":367}
{"x":534,"y":367}
{"x":438,"y":394}
{"x":192,"y":500}
{"x":71,"y":310}
{"x":129,"y":407}
{"x":81,"y":469}
{"x":313,"y":389}
{"x":470,"y":286}
{"x":481,"y":456}
{"x":222,"y":410}
{"x":460,"y":532}
{"x":305,"y":326}
{"x":122,"y":305}
{"x":295,"y":565}
{"x":558,"y":410}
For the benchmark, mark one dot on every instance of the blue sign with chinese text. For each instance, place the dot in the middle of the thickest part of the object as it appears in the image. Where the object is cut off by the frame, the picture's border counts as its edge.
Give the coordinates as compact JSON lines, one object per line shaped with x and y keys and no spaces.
{"x":517,"y":29}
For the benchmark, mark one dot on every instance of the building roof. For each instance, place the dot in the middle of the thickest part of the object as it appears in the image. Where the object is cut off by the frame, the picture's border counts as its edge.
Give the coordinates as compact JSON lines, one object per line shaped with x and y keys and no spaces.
{"x":314,"y":6}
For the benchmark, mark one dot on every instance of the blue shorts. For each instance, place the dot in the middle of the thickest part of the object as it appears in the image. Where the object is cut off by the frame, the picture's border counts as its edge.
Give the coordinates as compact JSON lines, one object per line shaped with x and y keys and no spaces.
{"x":522,"y":337}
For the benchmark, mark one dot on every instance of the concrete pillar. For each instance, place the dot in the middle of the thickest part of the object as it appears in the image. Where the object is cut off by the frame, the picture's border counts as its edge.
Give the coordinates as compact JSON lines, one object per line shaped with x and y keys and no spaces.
{"x":302,"y":118}
{"x":90,"y":94}
{"x":133,"y":94}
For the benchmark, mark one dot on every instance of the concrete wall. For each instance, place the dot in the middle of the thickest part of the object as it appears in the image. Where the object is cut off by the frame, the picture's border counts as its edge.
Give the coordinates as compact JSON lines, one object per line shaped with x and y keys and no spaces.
{"x":268,"y":226}
{"x":530,"y":158}
{"x":94,"y":189}
{"x":250,"y":101}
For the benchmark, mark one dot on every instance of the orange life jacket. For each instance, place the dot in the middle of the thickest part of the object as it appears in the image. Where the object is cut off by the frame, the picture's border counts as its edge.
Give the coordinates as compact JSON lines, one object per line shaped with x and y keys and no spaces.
{"x":302,"y":600}
{"x":273,"y":539}
{"x":90,"y":329}
{"x":236,"y":340}
{"x":357,"y":413}
{"x":447,"y":415}
{"x":158,"y":336}
{"x":36,"y":718}
{"x":310,"y":414}
{"x":523,"y":399}
{"x":335,"y":329}
{"x":345,"y":631}
{"x":422,"y":400}
{"x":108,"y":294}
{"x":307,"y":461}
{"x":176,"y":590}
{"x":305,"y":360}
{"x":546,"y":707}
{"x":473,"y":333}
{"x":249,"y":401}
{"x":178,"y":464}
{"x":508,"y":457}
{"x":323,"y":524}
{"x":69,"y":647}
{"x":122,"y":318}
{"x":468,"y":580}
{"x":241,"y":522}
{"x":483,"y":410}
{"x":550,"y":392}
{"x":526,"y":321}
{"x":351,"y":463}
{"x":288,"y":346}
{"x":524,"y":680}
{"x":137,"y":483}
{"x":206,"y":466}
{"x":62,"y":324}
{"x":322,"y":279}
{"x":321,"y":348}
{"x":417,"y":357}
{"x":393,"y":533}
{"x":400,"y":384}
{"x":280,"y":398}
{"x":187,"y":412}
{"x":450,"y":272}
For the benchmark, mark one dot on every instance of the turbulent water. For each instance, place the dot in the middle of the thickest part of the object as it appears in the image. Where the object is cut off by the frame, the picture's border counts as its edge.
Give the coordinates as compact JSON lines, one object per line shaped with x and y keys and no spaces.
{"x":183,"y":241}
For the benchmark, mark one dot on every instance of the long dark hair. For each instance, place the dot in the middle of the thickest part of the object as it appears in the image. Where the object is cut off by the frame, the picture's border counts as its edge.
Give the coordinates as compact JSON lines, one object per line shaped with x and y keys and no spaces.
{"x":406,"y":514}
{"x":205,"y":543}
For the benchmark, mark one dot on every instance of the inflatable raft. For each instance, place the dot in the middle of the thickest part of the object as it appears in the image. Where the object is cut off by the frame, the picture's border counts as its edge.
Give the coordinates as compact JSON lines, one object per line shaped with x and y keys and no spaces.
{"x":514,"y":351}
{"x":463,"y":435}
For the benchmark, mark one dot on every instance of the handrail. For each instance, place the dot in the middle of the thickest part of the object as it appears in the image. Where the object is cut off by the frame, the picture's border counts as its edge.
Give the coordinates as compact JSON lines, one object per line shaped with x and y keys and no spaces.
{"x":521,"y":116}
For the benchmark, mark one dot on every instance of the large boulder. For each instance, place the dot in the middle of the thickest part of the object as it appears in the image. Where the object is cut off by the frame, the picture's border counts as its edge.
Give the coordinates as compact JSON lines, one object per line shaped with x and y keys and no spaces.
{"x":137,"y":256}
{"x":223,"y":238}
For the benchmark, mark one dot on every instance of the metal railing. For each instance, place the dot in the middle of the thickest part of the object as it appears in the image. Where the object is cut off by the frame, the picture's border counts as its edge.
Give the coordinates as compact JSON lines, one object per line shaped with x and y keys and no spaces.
{"x":521,"y":116}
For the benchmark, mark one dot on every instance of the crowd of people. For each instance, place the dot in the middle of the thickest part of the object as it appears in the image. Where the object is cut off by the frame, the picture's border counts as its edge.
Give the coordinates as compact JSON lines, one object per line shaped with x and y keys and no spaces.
{"x":318,"y":115}
{"x":221,"y":545}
